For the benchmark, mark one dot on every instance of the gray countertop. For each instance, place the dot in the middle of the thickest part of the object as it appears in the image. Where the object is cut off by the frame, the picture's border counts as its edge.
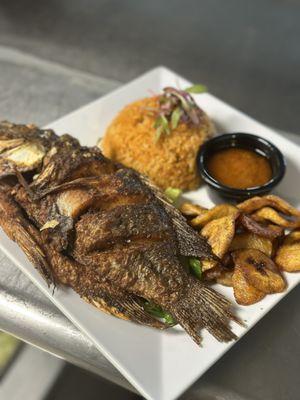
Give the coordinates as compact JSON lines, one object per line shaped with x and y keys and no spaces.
{"x":263,"y":365}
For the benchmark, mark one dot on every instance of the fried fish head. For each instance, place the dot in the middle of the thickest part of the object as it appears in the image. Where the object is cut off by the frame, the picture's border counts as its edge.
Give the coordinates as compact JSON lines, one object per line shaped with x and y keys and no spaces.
{"x":23,"y":147}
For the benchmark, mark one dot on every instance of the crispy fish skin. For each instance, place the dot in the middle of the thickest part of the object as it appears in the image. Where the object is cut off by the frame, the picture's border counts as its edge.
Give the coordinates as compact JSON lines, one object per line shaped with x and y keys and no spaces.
{"x":108,"y":233}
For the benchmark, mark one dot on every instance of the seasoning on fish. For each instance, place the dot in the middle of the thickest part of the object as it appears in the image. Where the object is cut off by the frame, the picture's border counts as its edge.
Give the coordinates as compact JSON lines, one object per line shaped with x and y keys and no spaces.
{"x":239,"y":168}
{"x":107,"y":232}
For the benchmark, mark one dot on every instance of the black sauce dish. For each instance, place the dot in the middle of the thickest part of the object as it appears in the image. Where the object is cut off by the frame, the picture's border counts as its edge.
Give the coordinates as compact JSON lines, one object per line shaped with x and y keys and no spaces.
{"x":243,"y":141}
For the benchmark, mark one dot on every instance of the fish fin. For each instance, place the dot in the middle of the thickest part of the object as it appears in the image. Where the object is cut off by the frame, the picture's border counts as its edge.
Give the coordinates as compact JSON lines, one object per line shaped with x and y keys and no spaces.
{"x":202,"y":307}
{"x":19,"y":229}
{"x":190,"y":242}
{"x":126,"y":307}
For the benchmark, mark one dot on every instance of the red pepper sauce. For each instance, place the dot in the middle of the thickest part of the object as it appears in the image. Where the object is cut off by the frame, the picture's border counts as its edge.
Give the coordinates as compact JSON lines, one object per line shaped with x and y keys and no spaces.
{"x":239,"y":168}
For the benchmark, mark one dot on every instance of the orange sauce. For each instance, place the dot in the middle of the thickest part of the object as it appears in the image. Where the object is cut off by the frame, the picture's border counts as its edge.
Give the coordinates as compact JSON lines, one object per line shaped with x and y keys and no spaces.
{"x":239,"y":168}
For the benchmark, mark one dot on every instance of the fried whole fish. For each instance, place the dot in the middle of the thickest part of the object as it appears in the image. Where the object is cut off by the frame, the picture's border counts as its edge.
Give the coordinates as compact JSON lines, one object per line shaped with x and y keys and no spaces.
{"x":103,"y":230}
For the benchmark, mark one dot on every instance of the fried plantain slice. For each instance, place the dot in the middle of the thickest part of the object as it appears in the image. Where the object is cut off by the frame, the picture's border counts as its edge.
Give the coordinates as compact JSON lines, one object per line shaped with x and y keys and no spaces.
{"x":225,"y":278}
{"x":271,"y":215}
{"x":219,"y":234}
{"x":219,"y":211}
{"x":244,"y":293}
{"x":192,"y":210}
{"x":268,"y":231}
{"x":259,"y":270}
{"x":213,"y":273}
{"x":288,"y":255}
{"x":248,"y":240}
{"x":255,"y":203}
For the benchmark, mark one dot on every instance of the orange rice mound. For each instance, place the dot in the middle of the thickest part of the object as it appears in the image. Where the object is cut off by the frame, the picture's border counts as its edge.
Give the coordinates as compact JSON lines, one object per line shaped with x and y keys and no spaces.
{"x":168,"y":162}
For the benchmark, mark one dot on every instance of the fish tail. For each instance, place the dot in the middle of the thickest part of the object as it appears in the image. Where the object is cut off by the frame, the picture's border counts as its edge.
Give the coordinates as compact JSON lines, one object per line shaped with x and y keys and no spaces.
{"x":203,"y":307}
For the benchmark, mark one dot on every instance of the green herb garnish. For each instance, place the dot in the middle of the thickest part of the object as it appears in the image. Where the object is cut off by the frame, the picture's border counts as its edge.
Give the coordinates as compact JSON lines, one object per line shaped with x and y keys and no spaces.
{"x":158,"y":312}
{"x":177,"y":106}
{"x":197,"y":89}
{"x":175,"y":117}
{"x":162,"y":126}
{"x":195,"y":267}
{"x":173,"y":194}
{"x":158,"y":133}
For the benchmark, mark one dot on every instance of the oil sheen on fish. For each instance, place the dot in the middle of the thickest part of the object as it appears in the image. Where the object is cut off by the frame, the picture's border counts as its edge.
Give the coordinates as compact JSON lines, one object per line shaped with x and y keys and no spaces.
{"x":105,"y":231}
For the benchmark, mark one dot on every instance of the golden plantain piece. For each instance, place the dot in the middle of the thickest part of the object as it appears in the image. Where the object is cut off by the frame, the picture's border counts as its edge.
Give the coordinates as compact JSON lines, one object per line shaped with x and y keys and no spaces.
{"x":192,"y":210}
{"x":288,"y":255}
{"x":219,"y":211}
{"x":247,"y":240}
{"x":213,"y":273}
{"x":255,"y":203}
{"x":219,"y":234}
{"x":244,"y":293}
{"x":271,"y":215}
{"x":268,"y":231}
{"x":259,"y":270}
{"x":225,"y":278}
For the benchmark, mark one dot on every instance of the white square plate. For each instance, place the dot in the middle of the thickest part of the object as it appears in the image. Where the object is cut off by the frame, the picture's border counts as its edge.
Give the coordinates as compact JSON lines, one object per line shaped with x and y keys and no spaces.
{"x":161,"y":365}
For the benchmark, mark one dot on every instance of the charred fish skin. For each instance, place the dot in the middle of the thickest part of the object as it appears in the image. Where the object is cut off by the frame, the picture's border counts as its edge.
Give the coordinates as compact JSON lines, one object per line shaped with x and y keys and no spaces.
{"x":107,"y":232}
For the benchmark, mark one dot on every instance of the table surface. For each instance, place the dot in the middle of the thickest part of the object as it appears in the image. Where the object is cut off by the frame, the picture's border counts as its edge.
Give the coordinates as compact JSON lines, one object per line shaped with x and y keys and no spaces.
{"x":262,"y":365}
